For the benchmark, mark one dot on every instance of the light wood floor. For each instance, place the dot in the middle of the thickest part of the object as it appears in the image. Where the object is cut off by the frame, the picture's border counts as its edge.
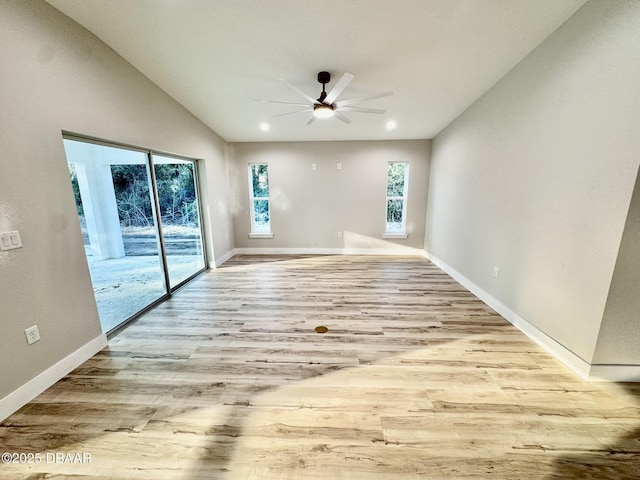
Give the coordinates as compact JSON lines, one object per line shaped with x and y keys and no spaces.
{"x":416,"y":379}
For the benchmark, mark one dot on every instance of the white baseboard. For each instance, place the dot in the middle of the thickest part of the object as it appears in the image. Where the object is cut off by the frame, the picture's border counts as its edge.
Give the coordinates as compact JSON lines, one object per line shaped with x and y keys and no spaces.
{"x":559,"y":351}
{"x":329,"y":251}
{"x":614,"y":373}
{"x":34,"y":387}
{"x":222,"y":259}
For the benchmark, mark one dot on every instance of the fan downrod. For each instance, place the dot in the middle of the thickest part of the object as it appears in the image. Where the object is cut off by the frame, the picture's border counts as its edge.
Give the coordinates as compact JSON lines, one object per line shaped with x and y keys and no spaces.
{"x":323,"y":78}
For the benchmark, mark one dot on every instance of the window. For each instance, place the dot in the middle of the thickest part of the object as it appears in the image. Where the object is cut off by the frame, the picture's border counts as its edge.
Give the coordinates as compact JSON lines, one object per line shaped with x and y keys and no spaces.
{"x":397,"y":180}
{"x":259,"y":200}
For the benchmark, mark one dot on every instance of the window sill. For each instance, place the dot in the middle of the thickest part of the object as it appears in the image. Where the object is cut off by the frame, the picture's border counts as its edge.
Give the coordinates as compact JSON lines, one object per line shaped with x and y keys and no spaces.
{"x":395,"y":235}
{"x":261,"y":235}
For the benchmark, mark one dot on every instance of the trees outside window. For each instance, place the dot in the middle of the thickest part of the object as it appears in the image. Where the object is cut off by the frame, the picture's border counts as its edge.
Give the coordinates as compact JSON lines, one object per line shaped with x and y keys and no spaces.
{"x":259,"y":198}
{"x":397,"y":182}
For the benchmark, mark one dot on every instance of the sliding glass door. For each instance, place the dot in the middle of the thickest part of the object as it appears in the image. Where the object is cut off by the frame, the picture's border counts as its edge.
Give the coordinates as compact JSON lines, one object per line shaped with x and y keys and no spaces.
{"x":180,"y":215}
{"x":124,"y":205}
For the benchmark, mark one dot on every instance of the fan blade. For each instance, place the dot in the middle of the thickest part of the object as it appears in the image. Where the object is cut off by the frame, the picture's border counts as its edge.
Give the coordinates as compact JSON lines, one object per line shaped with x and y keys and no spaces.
{"x":285,"y":103}
{"x":338,"y":88}
{"x":343,"y":117}
{"x":311,"y":99}
{"x":311,"y":120}
{"x":291,"y":113}
{"x":362,"y":110}
{"x":351,"y":101}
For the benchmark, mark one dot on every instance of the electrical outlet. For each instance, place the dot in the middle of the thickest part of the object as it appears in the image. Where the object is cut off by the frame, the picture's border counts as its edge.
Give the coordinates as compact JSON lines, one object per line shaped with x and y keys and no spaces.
{"x":339,"y":234}
{"x":32,"y":334}
{"x":339,"y":166}
{"x":313,"y":166}
{"x":496,"y":272}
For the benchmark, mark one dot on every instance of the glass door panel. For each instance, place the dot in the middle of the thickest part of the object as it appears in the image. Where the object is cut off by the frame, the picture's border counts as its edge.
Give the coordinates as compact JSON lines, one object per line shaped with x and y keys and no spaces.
{"x":176,"y":183}
{"x":113,"y":190}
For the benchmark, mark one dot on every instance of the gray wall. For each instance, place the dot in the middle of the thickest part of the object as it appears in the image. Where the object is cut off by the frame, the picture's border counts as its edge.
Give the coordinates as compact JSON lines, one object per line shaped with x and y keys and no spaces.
{"x":57,"y":76}
{"x":619,"y":339}
{"x":536,"y":177}
{"x":309,"y":207}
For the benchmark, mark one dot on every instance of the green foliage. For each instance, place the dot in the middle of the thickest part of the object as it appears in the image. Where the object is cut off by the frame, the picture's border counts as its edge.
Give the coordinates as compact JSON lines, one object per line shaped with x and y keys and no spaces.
{"x":76,"y":189}
{"x":260,"y":185}
{"x":176,"y":194}
{"x":132,"y":195}
{"x":261,"y":212}
{"x":260,"y":180}
{"x":395,"y":179}
{"x":394,"y":211}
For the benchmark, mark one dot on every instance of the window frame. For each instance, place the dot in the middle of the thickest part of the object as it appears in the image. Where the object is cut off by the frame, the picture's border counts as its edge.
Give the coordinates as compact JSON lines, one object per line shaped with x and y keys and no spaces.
{"x":255,"y":233}
{"x":402,"y":233}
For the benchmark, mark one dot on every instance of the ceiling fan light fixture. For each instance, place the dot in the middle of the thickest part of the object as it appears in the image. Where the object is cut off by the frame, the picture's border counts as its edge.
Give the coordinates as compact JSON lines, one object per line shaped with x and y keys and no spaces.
{"x":328,"y":105}
{"x":323,"y":110}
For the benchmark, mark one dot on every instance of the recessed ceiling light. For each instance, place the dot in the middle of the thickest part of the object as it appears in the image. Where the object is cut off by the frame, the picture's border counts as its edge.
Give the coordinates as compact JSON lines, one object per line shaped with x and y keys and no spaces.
{"x":391,"y":125}
{"x":264,"y":126}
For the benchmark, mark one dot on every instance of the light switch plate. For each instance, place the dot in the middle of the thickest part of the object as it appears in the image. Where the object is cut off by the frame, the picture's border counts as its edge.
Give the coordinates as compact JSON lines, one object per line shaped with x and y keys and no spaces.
{"x":10,"y":240}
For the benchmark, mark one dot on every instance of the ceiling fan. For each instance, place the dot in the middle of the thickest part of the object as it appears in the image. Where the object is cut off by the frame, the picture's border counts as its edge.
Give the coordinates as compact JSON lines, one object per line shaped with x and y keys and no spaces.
{"x":326,"y":105}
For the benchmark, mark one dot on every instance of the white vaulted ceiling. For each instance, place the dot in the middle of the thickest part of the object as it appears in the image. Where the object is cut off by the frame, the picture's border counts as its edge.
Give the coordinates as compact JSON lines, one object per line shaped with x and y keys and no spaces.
{"x":217,"y":57}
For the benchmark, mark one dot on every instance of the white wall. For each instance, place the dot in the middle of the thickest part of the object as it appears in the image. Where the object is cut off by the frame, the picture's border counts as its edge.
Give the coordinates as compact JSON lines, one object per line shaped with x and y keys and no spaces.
{"x":309,"y":207}
{"x":536,"y":177}
{"x":57,"y":76}
{"x":619,"y":337}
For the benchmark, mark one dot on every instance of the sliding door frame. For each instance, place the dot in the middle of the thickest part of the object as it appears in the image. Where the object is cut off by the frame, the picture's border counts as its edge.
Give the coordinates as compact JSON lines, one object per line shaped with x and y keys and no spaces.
{"x":155,"y":204}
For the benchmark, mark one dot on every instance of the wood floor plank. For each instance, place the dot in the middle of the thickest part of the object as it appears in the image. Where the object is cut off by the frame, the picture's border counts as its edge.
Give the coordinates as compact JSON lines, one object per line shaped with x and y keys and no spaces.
{"x":415,"y":379}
